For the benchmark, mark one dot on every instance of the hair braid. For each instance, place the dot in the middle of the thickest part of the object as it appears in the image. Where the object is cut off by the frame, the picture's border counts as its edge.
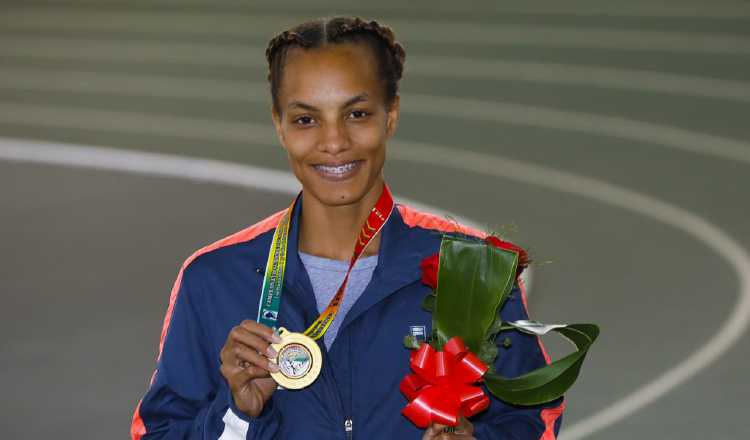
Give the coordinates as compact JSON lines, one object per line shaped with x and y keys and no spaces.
{"x":389,"y":53}
{"x":396,"y":50}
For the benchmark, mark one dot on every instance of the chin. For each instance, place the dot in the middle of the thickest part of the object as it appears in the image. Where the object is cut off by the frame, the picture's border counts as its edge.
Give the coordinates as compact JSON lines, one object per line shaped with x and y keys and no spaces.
{"x":338,"y":193}
{"x":339,"y":197}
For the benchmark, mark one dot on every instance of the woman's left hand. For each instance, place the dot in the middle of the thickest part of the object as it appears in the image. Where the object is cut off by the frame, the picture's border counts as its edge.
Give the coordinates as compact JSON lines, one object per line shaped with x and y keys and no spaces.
{"x":436,"y":431}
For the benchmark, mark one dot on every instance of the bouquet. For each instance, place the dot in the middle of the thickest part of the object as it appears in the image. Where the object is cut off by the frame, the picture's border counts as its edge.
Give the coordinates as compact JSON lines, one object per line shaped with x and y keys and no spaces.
{"x":472,"y":279}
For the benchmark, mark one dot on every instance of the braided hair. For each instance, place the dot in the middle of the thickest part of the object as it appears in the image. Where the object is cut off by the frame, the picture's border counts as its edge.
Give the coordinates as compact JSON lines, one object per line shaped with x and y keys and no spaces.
{"x":388,"y":52}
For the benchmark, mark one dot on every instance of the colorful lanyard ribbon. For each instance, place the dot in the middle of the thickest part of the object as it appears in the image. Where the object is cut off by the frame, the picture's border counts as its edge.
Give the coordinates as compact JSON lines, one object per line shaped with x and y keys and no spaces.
{"x":273,"y":280}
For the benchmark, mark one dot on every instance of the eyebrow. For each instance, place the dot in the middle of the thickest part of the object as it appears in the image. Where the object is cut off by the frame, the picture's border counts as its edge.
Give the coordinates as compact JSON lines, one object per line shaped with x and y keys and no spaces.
{"x":353,"y":100}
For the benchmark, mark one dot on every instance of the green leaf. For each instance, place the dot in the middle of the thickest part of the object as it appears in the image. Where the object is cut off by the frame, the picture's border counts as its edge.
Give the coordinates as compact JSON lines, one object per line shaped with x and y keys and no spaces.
{"x":474,"y":280}
{"x":549,"y":382}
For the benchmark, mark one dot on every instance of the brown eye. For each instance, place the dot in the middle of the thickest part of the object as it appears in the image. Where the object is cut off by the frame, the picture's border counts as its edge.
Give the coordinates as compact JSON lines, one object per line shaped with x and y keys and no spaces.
{"x":303,"y":120}
{"x":358,"y":114}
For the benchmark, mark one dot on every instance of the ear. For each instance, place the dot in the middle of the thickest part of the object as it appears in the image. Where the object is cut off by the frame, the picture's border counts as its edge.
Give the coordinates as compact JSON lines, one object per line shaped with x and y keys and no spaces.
{"x":277,"y":125}
{"x":392,"y":117}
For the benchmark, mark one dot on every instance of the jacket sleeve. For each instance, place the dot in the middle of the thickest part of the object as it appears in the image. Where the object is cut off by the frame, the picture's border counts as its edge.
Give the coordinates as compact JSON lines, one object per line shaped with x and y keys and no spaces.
{"x":526,"y":353}
{"x":188,"y":398}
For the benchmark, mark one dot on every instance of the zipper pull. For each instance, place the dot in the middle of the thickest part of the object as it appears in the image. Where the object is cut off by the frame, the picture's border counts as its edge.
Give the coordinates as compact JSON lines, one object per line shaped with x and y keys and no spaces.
{"x":348,"y":428}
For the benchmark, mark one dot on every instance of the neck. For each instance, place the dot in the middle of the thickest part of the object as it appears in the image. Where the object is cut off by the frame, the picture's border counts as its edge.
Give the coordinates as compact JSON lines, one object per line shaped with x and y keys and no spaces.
{"x":331,"y":231}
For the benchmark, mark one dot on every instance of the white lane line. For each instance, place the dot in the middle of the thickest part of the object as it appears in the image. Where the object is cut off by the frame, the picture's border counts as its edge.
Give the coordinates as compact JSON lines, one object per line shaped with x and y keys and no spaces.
{"x":580,"y":75}
{"x":571,"y":8}
{"x":167,"y":165}
{"x":565,"y":120}
{"x":703,"y":10}
{"x":135,"y":123}
{"x":452,"y":68}
{"x":206,"y":25}
{"x":146,"y":52}
{"x":731,"y":330}
{"x":133,"y":84}
{"x":148,"y":163}
{"x":711,"y":236}
{"x":658,"y":135}
{"x":182,"y":167}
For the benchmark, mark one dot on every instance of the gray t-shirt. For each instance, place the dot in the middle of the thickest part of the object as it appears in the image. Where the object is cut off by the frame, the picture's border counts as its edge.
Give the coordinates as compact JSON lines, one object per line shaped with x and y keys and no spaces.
{"x":326,"y":276}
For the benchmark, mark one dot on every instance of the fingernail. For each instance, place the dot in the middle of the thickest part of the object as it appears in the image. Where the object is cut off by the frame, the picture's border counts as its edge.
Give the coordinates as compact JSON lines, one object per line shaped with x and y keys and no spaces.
{"x":271,"y":352}
{"x":275,"y":338}
{"x":273,"y":367}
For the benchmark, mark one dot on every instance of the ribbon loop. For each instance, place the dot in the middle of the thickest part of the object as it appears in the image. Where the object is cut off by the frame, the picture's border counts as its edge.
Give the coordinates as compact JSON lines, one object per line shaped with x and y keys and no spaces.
{"x":442,"y":387}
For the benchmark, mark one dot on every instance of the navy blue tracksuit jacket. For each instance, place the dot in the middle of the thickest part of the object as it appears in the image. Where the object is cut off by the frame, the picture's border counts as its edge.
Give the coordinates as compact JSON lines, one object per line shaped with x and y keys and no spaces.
{"x":219,"y":286}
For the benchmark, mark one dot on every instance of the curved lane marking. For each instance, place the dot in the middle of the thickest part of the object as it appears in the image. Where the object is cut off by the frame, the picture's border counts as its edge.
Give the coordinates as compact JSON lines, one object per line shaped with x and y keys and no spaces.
{"x":453,"y":67}
{"x":564,"y":120}
{"x":133,"y":84}
{"x":538,"y":9}
{"x":413,"y":31}
{"x":692,"y":224}
{"x":471,"y":109}
{"x":549,"y":178}
{"x":660,"y":210}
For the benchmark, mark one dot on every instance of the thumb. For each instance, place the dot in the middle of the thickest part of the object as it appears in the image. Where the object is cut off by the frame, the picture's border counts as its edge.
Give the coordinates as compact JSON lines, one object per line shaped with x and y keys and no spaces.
{"x":432,"y":431}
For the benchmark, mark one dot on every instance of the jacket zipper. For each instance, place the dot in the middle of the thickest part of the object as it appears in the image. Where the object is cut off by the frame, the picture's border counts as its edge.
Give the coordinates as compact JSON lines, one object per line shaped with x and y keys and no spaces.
{"x":348,"y":424}
{"x":347,"y":420}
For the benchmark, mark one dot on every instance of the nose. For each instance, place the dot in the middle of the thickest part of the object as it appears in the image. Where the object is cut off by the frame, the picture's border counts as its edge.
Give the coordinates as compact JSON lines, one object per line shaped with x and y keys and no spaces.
{"x":335,"y":138}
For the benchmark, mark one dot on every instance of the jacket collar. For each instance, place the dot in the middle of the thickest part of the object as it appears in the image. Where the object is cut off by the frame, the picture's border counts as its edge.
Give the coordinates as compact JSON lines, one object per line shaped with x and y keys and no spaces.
{"x":398,"y":266}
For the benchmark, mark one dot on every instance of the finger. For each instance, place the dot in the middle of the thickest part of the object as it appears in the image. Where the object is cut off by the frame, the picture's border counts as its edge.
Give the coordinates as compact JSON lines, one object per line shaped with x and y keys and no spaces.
{"x":429,"y":433}
{"x":434,"y":430}
{"x":240,"y":335}
{"x":245,"y":357}
{"x":456,"y":436}
{"x":447,"y":433}
{"x":261,"y":329}
{"x":238,"y":377}
{"x":444,"y":432}
{"x":437,"y":428}
{"x":464,"y":426}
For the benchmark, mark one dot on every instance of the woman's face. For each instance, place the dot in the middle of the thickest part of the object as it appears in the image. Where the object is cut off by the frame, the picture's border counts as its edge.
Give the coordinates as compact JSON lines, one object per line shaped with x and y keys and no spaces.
{"x":334,"y":123}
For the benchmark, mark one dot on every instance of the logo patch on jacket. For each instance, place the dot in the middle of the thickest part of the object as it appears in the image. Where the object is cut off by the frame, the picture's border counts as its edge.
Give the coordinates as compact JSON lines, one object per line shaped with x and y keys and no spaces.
{"x":419,"y":332}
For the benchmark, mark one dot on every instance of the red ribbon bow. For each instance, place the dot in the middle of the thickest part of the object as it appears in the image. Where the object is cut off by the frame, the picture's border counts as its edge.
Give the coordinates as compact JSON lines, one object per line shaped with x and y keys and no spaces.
{"x":442,"y":387}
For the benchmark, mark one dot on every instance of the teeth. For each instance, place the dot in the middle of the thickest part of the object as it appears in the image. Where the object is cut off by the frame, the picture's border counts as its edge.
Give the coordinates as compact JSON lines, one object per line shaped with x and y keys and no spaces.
{"x":341,"y":169}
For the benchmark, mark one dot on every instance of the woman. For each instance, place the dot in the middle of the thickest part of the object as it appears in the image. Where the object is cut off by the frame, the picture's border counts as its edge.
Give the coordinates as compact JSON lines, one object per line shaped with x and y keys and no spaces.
{"x":334,"y":86}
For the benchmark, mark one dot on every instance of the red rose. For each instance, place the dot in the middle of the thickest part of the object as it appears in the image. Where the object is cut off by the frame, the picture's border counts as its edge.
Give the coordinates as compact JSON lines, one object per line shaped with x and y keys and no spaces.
{"x":430,"y":270}
{"x":430,"y":264}
{"x":523,"y":256}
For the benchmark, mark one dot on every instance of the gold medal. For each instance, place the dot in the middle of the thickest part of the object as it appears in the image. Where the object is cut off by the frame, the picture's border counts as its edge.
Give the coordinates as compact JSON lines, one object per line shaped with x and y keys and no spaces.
{"x":299,"y":360}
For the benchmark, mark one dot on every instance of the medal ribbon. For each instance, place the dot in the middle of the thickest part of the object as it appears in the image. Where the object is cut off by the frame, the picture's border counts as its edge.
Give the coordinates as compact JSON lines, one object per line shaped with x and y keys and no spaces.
{"x":273,"y":280}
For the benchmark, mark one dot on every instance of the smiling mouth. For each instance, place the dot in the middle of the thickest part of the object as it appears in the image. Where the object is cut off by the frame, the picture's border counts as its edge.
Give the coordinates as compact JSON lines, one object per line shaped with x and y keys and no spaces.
{"x":338,"y":171}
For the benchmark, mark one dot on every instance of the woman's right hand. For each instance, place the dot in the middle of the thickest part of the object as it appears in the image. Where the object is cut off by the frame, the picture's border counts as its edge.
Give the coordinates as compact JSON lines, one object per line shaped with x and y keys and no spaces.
{"x":246,"y":367}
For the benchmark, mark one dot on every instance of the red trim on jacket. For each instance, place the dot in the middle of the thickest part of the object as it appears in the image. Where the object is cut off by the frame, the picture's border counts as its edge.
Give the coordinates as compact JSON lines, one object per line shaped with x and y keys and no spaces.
{"x":548,"y":415}
{"x":415,"y":218}
{"x":246,"y":234}
{"x":137,"y":428}
{"x":522,"y":287}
